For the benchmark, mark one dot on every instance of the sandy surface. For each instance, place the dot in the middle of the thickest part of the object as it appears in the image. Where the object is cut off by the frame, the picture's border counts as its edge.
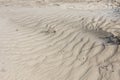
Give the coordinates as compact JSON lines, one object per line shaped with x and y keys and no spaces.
{"x":59,"y":41}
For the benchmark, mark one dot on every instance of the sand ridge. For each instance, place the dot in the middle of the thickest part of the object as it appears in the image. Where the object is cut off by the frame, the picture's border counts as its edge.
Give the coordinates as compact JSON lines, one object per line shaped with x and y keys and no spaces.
{"x":54,"y":43}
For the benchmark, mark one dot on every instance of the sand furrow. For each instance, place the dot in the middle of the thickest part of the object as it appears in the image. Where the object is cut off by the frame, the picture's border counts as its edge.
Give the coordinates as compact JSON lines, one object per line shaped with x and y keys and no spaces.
{"x":55,"y":43}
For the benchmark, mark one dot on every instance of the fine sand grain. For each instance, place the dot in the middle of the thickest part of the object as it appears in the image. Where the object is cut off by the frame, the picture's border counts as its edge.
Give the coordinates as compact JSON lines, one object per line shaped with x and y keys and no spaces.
{"x":59,"y":41}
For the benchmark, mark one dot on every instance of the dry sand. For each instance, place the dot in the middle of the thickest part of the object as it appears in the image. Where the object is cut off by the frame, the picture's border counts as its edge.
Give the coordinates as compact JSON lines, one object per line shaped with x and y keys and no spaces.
{"x":59,"y":41}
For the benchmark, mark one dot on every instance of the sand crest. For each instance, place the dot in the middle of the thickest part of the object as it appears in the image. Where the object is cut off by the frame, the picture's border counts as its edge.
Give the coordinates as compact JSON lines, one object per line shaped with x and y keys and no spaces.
{"x":59,"y":41}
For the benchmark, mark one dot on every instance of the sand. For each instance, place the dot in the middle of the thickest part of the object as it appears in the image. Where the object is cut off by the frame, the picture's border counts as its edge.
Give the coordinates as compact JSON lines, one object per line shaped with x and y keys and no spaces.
{"x":60,"y":40}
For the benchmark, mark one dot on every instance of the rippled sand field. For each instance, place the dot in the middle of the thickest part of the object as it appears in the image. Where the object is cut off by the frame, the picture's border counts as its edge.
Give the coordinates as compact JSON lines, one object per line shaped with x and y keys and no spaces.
{"x":59,"y":41}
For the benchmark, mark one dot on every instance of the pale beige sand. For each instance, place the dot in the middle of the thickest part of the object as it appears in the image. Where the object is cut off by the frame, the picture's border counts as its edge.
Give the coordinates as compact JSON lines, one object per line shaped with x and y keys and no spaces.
{"x":59,"y":42}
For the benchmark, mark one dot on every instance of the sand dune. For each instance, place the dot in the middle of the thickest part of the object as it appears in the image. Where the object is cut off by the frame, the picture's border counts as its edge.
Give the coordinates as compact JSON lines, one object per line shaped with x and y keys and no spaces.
{"x":57,"y":42}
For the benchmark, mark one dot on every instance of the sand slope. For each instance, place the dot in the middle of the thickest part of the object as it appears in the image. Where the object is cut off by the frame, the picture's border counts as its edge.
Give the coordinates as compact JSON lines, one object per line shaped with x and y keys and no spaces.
{"x":58,"y":43}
